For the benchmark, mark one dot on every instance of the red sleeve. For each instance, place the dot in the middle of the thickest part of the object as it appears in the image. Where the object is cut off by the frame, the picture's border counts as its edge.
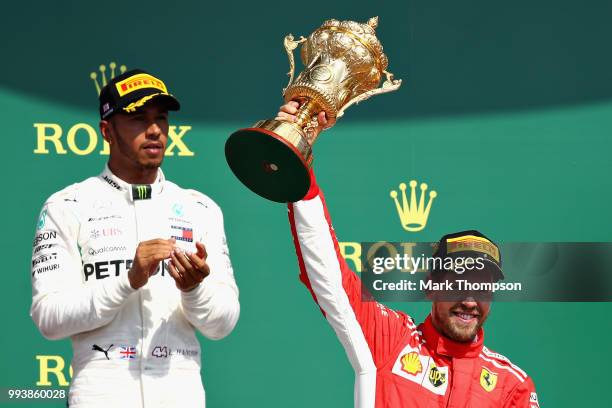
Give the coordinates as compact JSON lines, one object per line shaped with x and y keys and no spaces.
{"x":523,"y":396}
{"x":368,"y":330}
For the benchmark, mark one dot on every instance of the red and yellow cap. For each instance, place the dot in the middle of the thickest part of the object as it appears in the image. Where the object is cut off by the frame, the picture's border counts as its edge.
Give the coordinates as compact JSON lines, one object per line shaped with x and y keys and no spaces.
{"x":131,"y":90}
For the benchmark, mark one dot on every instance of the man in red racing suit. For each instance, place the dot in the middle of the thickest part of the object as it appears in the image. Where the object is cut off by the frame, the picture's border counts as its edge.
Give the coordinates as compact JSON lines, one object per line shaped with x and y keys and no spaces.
{"x":396,"y":363}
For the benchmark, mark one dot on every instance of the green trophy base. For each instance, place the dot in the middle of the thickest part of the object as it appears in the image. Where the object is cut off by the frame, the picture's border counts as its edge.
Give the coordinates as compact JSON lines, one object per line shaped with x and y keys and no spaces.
{"x":272,"y":159}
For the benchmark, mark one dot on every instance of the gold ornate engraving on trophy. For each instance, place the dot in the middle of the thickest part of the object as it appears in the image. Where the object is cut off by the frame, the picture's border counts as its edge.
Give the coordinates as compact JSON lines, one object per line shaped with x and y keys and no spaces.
{"x":344,"y":64}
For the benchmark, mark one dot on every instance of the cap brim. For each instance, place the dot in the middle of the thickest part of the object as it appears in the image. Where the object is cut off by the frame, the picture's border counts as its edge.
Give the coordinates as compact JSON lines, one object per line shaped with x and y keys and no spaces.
{"x":169,"y":101}
{"x":494,"y":268}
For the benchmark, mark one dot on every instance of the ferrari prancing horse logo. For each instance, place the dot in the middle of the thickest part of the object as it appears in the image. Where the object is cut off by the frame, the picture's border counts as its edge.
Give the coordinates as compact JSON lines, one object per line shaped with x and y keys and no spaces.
{"x":488,"y":380}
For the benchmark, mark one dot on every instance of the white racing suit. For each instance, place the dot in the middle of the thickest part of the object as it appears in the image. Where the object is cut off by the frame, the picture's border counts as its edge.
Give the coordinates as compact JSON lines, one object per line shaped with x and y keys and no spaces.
{"x":131,"y":348}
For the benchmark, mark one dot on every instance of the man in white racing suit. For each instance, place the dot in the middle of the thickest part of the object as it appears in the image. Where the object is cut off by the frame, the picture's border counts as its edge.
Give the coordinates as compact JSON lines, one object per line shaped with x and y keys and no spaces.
{"x":127,"y":264}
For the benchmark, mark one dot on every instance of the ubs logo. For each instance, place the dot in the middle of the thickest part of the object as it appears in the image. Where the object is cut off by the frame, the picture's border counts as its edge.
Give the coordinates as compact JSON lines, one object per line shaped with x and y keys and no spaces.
{"x":105,"y":232}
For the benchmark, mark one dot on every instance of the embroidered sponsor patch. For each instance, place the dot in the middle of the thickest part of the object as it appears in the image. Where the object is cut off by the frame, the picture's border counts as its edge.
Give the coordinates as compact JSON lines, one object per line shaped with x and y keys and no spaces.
{"x":472,"y":243}
{"x":181,"y":233}
{"x":127,"y":352}
{"x":141,"y":191}
{"x":436,"y":376}
{"x":488,"y":380}
{"x":139,"y":81}
{"x":421,"y":370}
{"x":42,"y":220}
{"x":411,"y":363}
{"x":533,"y":399}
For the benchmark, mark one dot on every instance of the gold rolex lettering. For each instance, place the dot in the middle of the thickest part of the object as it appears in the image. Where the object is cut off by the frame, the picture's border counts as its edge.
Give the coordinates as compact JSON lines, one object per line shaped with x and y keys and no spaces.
{"x":49,"y":140}
{"x":105,"y":148}
{"x":177,"y":141}
{"x":57,"y":370}
{"x":71,"y":138}
{"x":351,"y":251}
{"x":42,"y":137}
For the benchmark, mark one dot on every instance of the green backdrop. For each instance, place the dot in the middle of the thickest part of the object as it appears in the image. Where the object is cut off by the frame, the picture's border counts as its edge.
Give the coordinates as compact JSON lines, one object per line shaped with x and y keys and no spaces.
{"x":505,"y":111}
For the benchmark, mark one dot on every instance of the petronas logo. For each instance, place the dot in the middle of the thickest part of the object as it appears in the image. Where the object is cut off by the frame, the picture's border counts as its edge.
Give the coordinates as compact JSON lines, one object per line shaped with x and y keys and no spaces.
{"x":41,"y":221}
{"x":141,"y":192}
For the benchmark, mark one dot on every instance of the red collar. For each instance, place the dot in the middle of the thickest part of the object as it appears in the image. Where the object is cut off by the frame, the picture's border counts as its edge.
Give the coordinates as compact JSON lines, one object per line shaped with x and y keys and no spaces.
{"x":440,"y":344}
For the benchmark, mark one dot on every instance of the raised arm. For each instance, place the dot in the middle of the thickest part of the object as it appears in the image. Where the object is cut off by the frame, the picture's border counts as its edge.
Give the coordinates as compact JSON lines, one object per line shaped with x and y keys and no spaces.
{"x":367,"y":330}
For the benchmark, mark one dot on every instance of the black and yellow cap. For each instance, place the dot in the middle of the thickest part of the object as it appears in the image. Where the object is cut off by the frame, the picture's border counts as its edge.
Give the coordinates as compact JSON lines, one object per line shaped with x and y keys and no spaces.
{"x":472,"y":244}
{"x":131,"y":90}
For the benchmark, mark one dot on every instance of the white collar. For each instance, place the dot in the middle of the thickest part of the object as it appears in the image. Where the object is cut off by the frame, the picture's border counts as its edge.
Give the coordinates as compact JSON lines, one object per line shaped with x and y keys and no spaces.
{"x":134,"y":192}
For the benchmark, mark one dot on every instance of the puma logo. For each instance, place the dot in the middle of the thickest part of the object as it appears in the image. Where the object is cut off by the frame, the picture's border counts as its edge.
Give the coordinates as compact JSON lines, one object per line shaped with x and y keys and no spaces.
{"x":98,"y":348}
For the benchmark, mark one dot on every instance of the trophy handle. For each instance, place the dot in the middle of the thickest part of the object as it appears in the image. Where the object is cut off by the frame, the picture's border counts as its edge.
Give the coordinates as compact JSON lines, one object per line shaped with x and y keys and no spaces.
{"x":290,"y":45}
{"x":389,"y":85}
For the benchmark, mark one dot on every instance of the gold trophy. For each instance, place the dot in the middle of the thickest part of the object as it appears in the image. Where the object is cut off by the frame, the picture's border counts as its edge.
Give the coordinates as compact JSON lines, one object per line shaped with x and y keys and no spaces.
{"x":344,"y":64}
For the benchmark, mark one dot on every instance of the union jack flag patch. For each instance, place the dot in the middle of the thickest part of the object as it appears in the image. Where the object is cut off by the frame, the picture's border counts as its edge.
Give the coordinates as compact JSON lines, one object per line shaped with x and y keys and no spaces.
{"x":127,"y":352}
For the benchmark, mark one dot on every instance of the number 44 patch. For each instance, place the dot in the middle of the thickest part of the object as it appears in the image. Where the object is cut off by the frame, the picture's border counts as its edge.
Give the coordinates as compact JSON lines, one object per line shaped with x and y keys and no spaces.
{"x":160,"y":352}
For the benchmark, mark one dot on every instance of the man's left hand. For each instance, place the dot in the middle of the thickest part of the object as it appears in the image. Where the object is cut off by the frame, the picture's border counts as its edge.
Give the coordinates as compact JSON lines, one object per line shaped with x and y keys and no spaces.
{"x":187,"y":269}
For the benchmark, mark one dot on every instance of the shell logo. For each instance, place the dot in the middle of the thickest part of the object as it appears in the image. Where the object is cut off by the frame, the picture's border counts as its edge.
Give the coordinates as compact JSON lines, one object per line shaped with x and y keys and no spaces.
{"x":411,"y":363}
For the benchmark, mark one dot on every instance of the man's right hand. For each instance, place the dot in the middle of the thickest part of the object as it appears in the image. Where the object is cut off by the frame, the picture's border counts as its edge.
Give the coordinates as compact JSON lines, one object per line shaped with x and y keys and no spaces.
{"x":289,"y":110}
{"x":147,"y":258}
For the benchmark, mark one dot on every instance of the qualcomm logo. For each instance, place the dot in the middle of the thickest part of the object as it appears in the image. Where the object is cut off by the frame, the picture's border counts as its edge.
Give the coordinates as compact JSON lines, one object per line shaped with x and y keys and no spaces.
{"x":82,"y":139}
{"x":413,"y":212}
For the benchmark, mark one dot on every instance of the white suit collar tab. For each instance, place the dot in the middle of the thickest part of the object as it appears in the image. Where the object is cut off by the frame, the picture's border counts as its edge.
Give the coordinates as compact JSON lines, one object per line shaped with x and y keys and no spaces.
{"x":134,"y":191}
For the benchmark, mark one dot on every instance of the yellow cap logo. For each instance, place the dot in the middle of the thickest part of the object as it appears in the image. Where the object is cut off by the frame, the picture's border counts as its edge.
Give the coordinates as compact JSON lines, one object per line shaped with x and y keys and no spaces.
{"x":411,"y":363}
{"x":472,"y":243}
{"x":488,"y":380}
{"x":139,"y":81}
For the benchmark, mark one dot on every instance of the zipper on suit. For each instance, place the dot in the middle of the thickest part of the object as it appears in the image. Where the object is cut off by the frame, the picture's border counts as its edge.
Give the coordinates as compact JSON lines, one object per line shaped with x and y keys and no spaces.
{"x":450,"y":388}
{"x":141,"y":310}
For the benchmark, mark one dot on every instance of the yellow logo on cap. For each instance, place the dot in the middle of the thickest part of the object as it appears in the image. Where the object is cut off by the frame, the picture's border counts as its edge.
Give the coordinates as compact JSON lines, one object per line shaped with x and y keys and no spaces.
{"x":139,"y":81}
{"x":488,"y":380}
{"x":472,"y":243}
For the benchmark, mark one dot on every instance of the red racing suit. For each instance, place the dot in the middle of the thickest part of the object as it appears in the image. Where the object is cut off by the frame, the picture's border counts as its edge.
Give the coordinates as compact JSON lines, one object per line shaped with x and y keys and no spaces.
{"x":396,"y":363}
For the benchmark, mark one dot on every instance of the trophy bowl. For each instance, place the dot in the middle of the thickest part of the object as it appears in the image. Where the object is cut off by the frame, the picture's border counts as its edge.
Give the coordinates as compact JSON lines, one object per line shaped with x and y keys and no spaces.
{"x":343,"y":65}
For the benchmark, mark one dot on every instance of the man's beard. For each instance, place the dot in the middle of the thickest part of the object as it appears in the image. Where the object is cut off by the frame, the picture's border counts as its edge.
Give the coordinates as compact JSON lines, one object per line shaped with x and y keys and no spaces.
{"x":126,"y":150}
{"x":151,"y":166}
{"x":458,"y":332}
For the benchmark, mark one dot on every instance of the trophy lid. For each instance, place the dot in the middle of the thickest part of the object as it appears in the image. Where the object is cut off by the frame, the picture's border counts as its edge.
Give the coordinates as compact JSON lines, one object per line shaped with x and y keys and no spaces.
{"x":365,"y":33}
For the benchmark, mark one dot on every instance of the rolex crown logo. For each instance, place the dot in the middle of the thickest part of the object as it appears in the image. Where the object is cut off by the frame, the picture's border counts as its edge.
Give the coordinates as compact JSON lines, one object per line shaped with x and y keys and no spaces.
{"x":413,"y":216}
{"x":102,"y":77}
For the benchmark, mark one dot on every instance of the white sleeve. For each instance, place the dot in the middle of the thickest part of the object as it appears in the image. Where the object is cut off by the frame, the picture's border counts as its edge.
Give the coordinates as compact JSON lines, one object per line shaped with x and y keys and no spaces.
{"x":213,"y":307}
{"x":61,"y":304}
